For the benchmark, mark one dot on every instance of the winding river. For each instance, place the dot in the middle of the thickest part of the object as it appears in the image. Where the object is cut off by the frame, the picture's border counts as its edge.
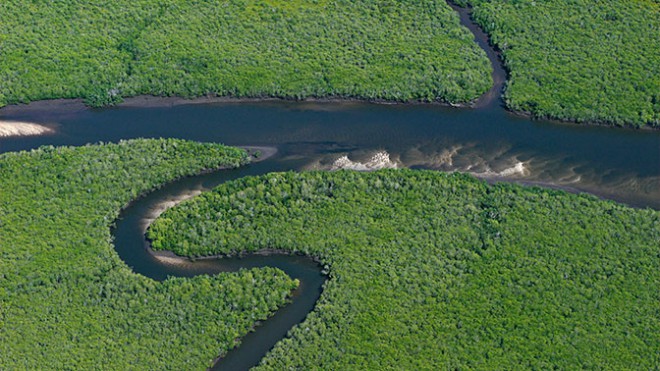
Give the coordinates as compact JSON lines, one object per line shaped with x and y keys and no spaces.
{"x":486,"y":140}
{"x":134,"y":250}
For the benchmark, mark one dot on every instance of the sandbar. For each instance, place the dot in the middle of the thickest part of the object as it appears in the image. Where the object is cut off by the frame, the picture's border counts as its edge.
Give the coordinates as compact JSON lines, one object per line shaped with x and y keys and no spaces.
{"x":19,"y":129}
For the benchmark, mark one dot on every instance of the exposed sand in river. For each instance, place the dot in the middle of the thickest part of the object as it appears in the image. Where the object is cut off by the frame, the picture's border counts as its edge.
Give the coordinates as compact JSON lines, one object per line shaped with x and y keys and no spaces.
{"x":157,"y":209}
{"x":17,"y":129}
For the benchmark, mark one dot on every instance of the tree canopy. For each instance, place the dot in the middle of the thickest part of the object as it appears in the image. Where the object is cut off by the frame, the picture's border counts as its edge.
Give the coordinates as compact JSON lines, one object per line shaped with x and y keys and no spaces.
{"x":430,"y":270}
{"x":67,"y":301}
{"x":581,"y":60}
{"x":103,"y":50}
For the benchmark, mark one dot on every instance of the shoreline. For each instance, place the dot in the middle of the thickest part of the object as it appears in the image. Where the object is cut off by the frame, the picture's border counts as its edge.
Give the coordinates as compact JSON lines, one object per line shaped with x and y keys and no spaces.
{"x":494,"y":95}
{"x":265,"y":153}
{"x":159,"y":208}
{"x":149,"y":101}
{"x":617,"y":198}
{"x":64,"y":106}
{"x":68,"y":105}
{"x":259,"y":153}
{"x":170,"y":257}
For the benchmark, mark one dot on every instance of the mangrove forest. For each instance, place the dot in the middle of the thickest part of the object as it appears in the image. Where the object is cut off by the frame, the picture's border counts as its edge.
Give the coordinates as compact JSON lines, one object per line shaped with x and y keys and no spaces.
{"x":430,"y":270}
{"x":69,"y":302}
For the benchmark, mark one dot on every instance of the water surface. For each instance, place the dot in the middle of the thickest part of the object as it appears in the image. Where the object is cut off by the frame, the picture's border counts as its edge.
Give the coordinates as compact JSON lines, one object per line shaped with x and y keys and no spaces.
{"x":621,"y":164}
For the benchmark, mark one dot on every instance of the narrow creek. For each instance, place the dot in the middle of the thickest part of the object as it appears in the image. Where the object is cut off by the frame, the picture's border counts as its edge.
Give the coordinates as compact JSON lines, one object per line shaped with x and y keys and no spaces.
{"x":133,"y":248}
{"x":494,"y":95}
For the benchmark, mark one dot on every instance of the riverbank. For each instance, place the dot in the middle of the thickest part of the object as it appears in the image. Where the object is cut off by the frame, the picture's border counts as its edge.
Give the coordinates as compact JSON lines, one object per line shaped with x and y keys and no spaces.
{"x":255,"y":154}
{"x":64,"y":107}
{"x":53,"y":109}
{"x":155,"y":101}
{"x":169,"y":257}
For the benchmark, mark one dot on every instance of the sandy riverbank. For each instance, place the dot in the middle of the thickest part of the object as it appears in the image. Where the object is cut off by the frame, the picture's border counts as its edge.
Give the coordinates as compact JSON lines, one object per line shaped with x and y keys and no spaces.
{"x":147,"y":101}
{"x":19,"y":129}
{"x":256,"y":153}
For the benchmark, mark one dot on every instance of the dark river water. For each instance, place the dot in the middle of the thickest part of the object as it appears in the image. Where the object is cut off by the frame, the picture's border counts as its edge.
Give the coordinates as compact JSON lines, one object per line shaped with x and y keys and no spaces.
{"x":614,"y":163}
{"x":133,"y":249}
{"x":620,"y":164}
{"x":486,"y":140}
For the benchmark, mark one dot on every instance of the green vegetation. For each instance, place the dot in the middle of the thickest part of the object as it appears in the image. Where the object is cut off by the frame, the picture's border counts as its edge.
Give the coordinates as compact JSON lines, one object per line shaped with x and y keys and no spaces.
{"x":442,"y":271}
{"x":103,"y":50}
{"x":67,"y":301}
{"x":582,"y":60}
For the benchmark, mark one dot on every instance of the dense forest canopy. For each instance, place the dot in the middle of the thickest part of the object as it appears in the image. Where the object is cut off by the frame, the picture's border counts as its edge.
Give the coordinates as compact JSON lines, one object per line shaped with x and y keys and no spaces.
{"x":102,"y":50}
{"x":580,"y":60}
{"x":441,"y":271}
{"x":583,"y":60}
{"x":66,"y":299}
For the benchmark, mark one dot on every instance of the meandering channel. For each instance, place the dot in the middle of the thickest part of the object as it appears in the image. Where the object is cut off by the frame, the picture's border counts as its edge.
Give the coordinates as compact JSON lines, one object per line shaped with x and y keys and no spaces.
{"x":620,"y":164}
{"x":133,"y":248}
{"x":494,"y":95}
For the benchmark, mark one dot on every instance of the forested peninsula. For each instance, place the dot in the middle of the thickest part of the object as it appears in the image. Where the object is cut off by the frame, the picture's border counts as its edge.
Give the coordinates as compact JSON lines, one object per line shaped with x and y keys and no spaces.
{"x":578,"y":60}
{"x":67,"y":301}
{"x":426,"y":269}
{"x":431,"y":270}
{"x":104,"y":50}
